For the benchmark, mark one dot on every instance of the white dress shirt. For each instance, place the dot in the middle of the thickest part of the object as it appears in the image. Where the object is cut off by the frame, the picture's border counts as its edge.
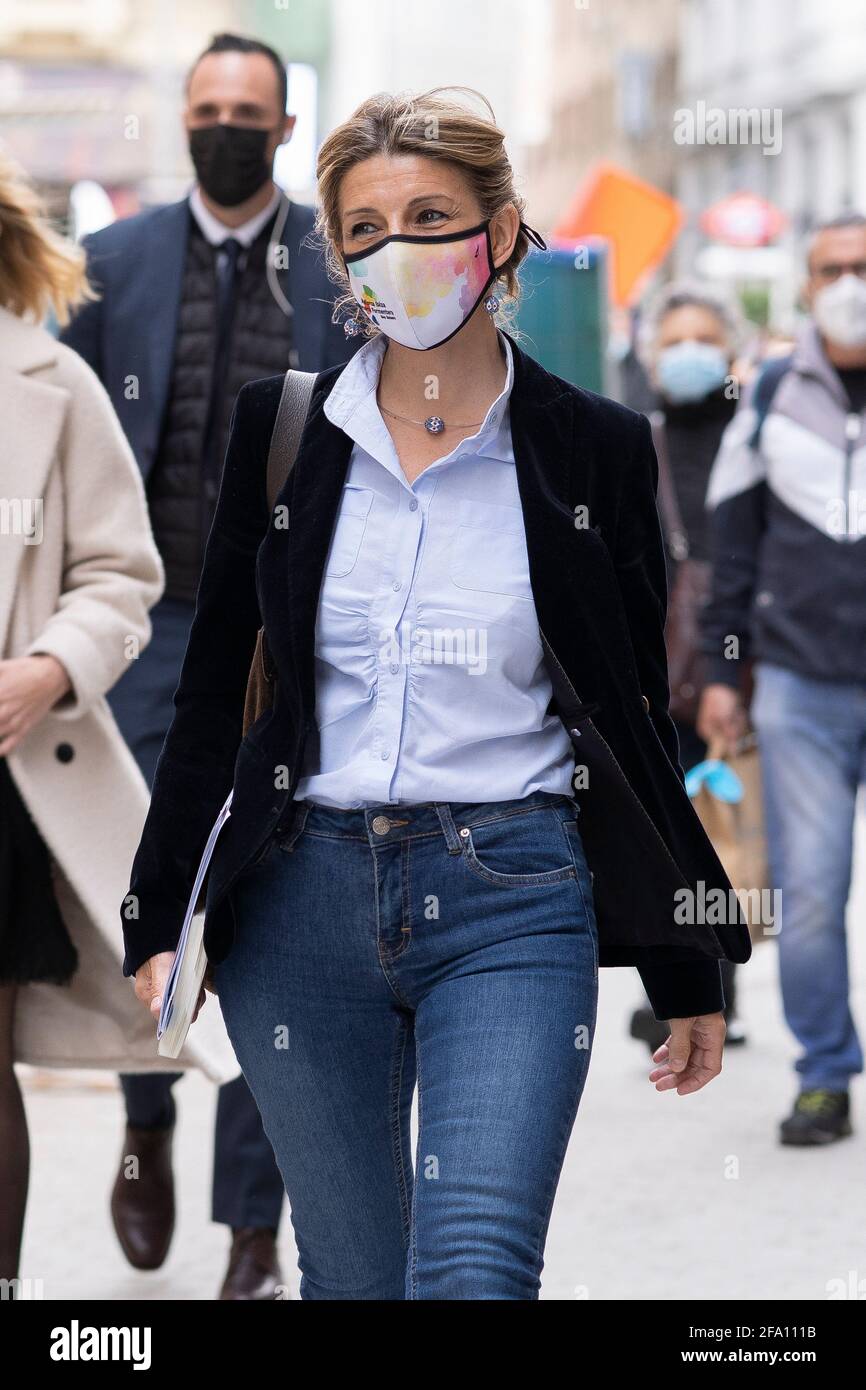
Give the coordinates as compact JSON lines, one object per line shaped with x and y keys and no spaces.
{"x":430,"y":678}
{"x":216,"y":232}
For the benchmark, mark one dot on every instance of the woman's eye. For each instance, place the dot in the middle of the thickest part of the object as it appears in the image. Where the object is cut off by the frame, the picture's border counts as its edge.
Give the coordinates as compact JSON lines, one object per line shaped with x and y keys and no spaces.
{"x":361,"y":229}
{"x":429,"y":215}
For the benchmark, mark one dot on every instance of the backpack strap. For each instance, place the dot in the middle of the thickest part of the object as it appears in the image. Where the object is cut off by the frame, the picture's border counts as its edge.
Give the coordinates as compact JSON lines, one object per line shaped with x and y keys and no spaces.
{"x":288,"y":428}
{"x":766,"y":386}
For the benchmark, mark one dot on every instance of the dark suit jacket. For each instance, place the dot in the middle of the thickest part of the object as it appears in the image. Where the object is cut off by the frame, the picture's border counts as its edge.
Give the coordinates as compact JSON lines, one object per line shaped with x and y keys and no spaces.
{"x":137,"y":266}
{"x":599,"y":592}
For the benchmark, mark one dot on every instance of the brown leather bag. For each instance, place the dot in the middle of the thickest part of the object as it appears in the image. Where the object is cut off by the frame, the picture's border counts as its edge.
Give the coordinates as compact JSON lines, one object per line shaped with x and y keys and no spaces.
{"x":688,"y":595}
{"x":285,"y":440}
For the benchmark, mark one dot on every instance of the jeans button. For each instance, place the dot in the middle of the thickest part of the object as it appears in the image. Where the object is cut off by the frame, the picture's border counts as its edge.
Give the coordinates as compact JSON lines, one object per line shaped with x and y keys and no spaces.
{"x":381,"y":825}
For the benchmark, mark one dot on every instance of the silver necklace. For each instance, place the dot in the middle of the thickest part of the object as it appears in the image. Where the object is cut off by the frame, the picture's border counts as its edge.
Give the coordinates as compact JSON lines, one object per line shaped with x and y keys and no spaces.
{"x":434,"y":424}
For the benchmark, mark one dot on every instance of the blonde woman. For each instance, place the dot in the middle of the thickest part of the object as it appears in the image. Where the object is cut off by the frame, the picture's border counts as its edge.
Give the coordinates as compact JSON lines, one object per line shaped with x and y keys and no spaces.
{"x":78,"y":573}
{"x":435,"y":839}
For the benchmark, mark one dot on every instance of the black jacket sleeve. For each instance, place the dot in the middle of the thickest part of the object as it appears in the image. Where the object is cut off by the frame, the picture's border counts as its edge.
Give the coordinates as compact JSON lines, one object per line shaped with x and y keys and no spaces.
{"x":196,"y":766}
{"x":675,"y":990}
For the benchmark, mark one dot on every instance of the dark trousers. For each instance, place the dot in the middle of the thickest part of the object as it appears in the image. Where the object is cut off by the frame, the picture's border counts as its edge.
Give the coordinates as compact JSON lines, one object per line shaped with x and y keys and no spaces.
{"x":247,"y":1187}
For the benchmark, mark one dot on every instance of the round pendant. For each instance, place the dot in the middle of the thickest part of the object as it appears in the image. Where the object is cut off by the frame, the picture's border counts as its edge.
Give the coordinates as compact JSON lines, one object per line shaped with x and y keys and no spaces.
{"x":434,"y":424}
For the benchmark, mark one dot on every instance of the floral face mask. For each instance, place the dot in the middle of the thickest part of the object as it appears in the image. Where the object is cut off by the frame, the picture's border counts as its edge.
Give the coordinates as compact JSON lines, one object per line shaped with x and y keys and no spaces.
{"x":420,"y":290}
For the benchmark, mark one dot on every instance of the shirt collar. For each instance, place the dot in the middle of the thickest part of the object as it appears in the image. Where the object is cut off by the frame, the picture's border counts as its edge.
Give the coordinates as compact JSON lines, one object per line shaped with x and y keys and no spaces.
{"x":217,"y":232}
{"x":352,"y":406}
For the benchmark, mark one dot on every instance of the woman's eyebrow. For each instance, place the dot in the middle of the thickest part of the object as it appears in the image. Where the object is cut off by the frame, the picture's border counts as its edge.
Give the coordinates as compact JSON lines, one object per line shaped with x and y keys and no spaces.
{"x":422,"y":198}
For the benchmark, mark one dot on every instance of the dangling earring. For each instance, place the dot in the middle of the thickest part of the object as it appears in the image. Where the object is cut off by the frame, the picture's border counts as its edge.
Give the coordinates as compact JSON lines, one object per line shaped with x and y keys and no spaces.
{"x":352,"y":327}
{"x":491,"y":304}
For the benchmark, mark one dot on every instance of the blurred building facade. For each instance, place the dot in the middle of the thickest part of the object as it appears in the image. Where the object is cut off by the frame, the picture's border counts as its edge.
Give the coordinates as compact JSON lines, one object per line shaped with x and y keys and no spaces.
{"x":92,"y":89}
{"x":802,"y":67}
{"x":613,"y":68}
{"x":502,"y":48}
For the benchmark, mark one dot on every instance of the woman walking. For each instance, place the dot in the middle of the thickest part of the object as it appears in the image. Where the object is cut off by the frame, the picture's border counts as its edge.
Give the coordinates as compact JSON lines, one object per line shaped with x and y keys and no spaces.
{"x":434,"y":839}
{"x":78,"y":573}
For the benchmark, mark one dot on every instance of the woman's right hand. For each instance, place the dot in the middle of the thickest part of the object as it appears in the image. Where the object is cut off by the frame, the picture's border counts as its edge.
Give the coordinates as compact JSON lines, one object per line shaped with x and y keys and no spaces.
{"x":151,"y":980}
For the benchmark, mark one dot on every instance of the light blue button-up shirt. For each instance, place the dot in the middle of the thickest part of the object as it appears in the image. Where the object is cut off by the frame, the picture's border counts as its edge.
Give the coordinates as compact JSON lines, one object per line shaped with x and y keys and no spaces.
{"x":430,"y":678}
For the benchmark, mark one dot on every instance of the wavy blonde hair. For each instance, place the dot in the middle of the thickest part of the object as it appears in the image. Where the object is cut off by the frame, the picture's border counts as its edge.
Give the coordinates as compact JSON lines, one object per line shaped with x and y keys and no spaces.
{"x":434,"y":124}
{"x":38,"y":268}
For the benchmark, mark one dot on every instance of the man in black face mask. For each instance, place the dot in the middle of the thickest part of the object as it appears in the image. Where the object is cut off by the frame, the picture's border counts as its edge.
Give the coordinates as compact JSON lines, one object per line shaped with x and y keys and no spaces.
{"x":197,"y":298}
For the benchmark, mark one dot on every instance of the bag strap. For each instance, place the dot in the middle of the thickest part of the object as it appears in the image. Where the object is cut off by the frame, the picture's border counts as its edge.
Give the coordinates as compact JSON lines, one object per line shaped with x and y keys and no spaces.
{"x":288,"y":428}
{"x":676,"y":537}
{"x":768,"y":383}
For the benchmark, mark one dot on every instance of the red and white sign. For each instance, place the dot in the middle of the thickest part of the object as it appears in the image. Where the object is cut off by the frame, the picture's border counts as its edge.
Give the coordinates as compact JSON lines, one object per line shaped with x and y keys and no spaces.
{"x":744,"y":219}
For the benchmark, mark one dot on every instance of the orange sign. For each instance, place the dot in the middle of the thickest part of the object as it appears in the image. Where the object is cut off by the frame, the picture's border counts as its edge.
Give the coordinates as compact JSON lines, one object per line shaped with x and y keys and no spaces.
{"x":640,"y":222}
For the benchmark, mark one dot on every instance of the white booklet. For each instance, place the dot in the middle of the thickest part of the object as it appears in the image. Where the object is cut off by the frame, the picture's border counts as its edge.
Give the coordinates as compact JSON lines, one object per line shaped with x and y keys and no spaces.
{"x":184,"y":983}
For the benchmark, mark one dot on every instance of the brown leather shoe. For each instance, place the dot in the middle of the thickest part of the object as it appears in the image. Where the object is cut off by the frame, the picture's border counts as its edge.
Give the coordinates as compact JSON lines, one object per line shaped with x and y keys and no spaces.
{"x":142,"y":1207}
{"x":254,"y":1270}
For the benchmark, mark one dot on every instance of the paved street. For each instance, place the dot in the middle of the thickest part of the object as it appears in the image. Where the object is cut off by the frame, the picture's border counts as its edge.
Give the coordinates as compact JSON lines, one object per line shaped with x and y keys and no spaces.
{"x":662,"y":1198}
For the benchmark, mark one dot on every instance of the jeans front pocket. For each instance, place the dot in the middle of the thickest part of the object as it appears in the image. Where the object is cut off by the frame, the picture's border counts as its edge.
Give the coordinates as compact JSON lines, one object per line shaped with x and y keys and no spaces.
{"x":520,"y":850}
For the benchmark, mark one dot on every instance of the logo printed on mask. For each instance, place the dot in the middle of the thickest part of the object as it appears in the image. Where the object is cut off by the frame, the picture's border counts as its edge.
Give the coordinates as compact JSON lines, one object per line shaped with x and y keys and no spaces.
{"x":376,"y":310}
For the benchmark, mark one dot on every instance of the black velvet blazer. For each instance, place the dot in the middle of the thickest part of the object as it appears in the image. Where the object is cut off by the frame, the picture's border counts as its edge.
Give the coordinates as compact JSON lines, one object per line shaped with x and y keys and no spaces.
{"x":587,"y":476}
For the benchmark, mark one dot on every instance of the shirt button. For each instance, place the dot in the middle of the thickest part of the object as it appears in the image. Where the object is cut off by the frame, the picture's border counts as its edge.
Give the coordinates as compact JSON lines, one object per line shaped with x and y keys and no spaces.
{"x":393,"y":668}
{"x":413,"y":505}
{"x":385,"y":755}
{"x":397,"y":585}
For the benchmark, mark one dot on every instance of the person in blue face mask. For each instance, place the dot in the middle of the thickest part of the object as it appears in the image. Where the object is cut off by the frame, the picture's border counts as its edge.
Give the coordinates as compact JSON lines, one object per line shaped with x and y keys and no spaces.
{"x":687,"y":343}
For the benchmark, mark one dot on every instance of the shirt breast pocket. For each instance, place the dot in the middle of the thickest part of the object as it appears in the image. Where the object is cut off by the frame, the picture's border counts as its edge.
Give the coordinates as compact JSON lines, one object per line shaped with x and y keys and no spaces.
{"x":488,"y":551}
{"x":355,"y":506}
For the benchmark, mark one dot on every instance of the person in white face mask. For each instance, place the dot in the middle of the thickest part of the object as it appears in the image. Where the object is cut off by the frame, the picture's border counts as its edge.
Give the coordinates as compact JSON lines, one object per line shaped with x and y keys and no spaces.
{"x":788,"y":528}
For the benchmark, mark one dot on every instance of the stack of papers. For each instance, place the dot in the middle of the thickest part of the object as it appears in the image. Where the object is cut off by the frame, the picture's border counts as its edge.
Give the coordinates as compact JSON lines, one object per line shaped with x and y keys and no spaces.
{"x":190,"y":962}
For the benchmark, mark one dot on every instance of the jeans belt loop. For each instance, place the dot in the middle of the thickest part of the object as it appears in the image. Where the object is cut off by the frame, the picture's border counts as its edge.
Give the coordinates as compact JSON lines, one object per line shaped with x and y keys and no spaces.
{"x":449,"y":830}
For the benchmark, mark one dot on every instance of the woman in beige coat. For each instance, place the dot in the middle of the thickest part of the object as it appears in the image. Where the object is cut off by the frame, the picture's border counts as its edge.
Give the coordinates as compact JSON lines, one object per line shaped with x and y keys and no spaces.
{"x":78,"y":574}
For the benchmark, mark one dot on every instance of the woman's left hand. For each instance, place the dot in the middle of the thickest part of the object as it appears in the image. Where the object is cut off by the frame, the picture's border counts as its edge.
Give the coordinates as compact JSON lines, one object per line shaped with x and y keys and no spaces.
{"x":29,"y":687}
{"x":692,"y":1055}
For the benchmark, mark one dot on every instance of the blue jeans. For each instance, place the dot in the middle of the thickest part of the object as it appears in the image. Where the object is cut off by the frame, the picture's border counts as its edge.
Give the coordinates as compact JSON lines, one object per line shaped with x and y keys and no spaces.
{"x":812,"y":737}
{"x":452,"y":945}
